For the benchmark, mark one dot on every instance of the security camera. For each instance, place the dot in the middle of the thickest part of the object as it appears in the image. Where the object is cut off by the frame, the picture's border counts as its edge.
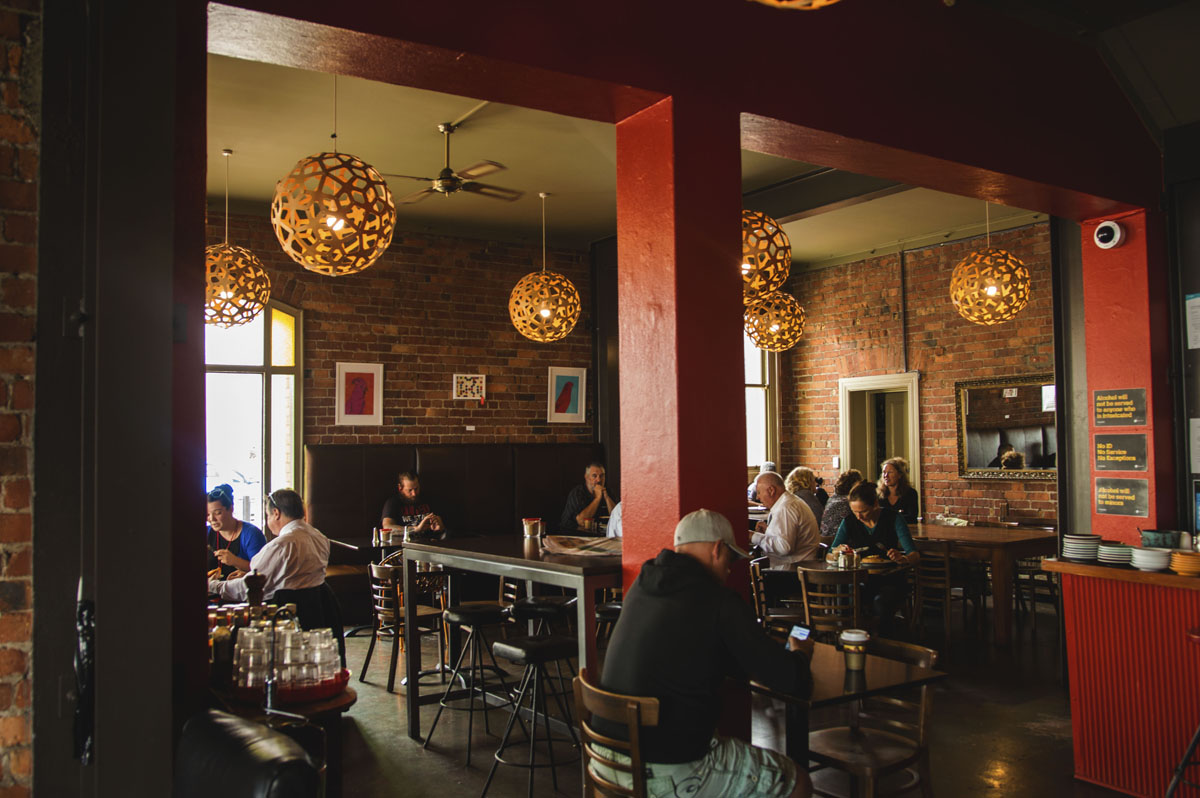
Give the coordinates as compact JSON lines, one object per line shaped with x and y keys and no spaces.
{"x":1108,"y":235}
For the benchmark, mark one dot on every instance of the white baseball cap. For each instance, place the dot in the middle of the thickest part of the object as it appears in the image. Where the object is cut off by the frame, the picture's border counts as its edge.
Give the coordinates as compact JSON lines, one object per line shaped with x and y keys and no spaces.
{"x":706,"y":526}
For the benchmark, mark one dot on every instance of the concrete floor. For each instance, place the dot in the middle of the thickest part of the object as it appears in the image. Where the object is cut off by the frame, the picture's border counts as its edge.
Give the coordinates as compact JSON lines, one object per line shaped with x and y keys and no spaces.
{"x":1001,"y":727}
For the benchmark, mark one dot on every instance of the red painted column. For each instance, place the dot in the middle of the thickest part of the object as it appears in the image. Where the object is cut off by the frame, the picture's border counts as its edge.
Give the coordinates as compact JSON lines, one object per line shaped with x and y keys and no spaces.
{"x":683,"y":430}
{"x":1127,"y":341}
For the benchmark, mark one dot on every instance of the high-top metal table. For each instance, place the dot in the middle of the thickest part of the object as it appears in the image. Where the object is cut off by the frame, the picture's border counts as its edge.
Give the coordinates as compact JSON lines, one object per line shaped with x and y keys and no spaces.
{"x":517,"y":558}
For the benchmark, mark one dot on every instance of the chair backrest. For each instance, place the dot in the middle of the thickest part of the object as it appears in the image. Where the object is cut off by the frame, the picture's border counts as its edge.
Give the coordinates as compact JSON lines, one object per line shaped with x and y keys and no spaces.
{"x":635,"y":712}
{"x":894,"y":714}
{"x":386,"y":582}
{"x":933,"y":573}
{"x":758,"y":590}
{"x":831,"y":599}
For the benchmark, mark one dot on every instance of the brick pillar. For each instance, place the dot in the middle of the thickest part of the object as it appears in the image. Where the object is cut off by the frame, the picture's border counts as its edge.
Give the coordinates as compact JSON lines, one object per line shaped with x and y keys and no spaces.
{"x":683,"y":431}
{"x":18,"y":315}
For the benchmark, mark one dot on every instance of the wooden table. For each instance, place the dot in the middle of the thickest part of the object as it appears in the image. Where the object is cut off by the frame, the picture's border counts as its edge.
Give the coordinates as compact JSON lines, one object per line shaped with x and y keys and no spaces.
{"x":833,"y":684}
{"x":999,"y":546}
{"x":513,"y":557}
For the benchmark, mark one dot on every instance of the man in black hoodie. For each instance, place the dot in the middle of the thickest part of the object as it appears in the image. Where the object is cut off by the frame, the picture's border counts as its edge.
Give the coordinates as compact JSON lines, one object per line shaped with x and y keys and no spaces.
{"x":681,"y":633}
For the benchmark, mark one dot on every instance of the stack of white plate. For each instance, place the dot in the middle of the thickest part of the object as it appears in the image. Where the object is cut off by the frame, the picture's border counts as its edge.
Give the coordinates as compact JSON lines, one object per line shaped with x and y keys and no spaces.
{"x":1081,"y":547}
{"x":1151,"y":559}
{"x":1115,"y":553}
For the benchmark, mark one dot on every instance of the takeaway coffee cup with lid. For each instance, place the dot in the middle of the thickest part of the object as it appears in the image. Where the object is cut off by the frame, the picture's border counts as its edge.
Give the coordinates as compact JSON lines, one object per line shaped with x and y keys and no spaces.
{"x":854,"y":645}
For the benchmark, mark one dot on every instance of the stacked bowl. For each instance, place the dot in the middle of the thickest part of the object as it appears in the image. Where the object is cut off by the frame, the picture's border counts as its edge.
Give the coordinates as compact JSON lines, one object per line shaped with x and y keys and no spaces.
{"x":1185,"y":563}
{"x":1081,"y":547}
{"x":1150,"y":559}
{"x":1114,"y":553}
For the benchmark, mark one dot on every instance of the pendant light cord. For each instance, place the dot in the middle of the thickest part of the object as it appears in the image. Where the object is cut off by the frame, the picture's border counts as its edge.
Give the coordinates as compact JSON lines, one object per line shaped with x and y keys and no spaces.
{"x":226,"y":154}
{"x":987,"y":222}
{"x":334,"y":134}
{"x":543,"y":195}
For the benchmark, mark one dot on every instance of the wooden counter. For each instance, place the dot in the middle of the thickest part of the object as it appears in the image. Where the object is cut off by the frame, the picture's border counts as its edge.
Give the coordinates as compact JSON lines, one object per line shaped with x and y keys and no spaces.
{"x":1135,"y":700}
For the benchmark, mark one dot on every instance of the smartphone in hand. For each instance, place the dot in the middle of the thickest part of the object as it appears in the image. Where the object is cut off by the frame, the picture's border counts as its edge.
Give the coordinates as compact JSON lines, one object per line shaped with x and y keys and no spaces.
{"x":800,"y":632}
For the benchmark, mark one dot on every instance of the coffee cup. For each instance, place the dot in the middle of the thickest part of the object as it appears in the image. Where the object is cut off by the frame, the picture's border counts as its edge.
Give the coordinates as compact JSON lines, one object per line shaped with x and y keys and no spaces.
{"x":532,"y":526}
{"x":854,"y":646}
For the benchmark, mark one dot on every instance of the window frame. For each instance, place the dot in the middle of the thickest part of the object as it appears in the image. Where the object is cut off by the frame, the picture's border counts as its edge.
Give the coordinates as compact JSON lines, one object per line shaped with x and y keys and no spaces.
{"x":267,"y":370}
{"x":770,"y":371}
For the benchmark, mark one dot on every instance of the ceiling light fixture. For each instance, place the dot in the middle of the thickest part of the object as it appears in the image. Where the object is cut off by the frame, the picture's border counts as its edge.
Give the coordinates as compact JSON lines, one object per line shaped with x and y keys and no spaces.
{"x":333,"y":213}
{"x":544,"y":306}
{"x":236,"y":286}
{"x":775,"y":322}
{"x":802,"y":5}
{"x":990,"y":286}
{"x":766,"y":256}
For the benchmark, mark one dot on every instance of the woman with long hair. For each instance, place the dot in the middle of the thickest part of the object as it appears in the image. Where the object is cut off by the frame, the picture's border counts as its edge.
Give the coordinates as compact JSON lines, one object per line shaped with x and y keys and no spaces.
{"x":895,"y":491}
{"x":802,"y":483}
{"x":839,"y":503}
{"x":231,"y":543}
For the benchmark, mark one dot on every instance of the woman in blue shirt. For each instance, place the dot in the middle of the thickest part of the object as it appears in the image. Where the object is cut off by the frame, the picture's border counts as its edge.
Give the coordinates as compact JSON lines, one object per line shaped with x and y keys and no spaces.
{"x":882,"y":529}
{"x":231,"y":543}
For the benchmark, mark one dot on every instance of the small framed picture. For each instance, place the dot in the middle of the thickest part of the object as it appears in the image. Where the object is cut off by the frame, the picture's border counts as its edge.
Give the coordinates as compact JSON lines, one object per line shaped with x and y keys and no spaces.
{"x":470,"y":386}
{"x":566,"y":398}
{"x":359,"y":397}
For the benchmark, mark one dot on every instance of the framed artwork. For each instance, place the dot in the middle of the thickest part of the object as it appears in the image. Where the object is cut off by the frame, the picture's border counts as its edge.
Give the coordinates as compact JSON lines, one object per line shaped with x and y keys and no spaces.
{"x":565,"y":400}
{"x":359,"y":398}
{"x":470,"y":386}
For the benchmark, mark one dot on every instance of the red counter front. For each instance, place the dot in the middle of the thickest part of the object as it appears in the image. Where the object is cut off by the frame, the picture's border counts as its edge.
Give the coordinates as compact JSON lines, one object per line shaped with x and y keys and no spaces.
{"x":1135,"y":677}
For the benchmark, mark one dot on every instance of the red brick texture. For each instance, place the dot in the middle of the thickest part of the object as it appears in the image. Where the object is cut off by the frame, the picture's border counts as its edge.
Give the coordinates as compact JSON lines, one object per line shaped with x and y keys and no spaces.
{"x":854,"y":330}
{"x":431,"y":307}
{"x":18,"y":316}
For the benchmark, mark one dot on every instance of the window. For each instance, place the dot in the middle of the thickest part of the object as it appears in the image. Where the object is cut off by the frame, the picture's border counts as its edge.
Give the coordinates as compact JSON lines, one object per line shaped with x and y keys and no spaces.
{"x":252,"y":387}
{"x":762,"y":434}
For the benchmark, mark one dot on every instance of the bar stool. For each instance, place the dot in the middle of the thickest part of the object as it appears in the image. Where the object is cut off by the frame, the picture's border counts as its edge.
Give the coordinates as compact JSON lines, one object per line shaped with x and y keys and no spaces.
{"x":535,"y":653}
{"x":546,"y":611}
{"x":1178,"y":777}
{"x":607,"y":615}
{"x":473,"y":617}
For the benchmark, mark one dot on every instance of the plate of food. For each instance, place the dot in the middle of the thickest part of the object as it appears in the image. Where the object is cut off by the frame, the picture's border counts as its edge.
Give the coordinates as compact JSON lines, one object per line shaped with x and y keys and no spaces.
{"x":875,"y":561}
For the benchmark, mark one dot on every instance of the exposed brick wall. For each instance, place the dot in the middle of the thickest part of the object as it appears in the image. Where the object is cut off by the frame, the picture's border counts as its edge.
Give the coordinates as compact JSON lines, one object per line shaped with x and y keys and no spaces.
{"x":431,"y":307}
{"x":854,"y":330}
{"x":20,"y":39}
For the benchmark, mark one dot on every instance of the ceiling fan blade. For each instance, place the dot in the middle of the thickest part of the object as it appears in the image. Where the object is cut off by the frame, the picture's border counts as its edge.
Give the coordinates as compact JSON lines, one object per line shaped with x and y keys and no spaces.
{"x":480,"y":169}
{"x":468,"y":114}
{"x":416,"y":196}
{"x":408,"y":177}
{"x":495,"y":192}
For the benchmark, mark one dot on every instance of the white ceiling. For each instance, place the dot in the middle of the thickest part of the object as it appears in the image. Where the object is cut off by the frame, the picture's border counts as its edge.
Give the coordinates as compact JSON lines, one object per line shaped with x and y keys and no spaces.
{"x":273,"y":116}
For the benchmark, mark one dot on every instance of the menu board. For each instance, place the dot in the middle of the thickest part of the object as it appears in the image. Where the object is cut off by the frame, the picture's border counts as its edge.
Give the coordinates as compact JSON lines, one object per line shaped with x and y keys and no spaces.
{"x":1120,"y":452}
{"x":1123,"y":497}
{"x":1119,"y":408}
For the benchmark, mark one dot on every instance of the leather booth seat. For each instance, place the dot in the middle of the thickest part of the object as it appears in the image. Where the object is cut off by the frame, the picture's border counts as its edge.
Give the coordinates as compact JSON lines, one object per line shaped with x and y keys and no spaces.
{"x":1039,"y":445}
{"x":223,"y":754}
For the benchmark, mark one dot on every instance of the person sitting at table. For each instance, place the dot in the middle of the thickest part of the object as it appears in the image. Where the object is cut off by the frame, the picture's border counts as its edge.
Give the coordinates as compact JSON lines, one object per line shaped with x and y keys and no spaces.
{"x":880,"y":530}
{"x":896,"y":491}
{"x":1013,"y":460}
{"x":752,"y":489}
{"x":231,"y":542}
{"x":1001,"y":450}
{"x":790,"y":532}
{"x":802,"y":483}
{"x":405,"y":507}
{"x":682,"y":632}
{"x":613,"y":530}
{"x":587,"y":504}
{"x":839,"y":503}
{"x":293,"y":562}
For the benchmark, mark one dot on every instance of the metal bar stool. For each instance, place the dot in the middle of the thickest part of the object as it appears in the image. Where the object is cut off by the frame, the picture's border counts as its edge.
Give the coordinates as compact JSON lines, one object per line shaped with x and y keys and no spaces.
{"x":1186,"y":761}
{"x":535,"y":653}
{"x":473,"y":617}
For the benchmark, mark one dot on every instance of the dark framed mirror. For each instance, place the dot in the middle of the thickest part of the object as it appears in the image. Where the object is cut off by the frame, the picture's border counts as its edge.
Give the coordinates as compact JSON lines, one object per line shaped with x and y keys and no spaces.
{"x":1007,"y":428}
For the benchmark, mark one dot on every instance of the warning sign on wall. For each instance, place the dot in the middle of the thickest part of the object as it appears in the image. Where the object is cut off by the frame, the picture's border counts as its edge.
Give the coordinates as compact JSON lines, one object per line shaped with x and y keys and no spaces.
{"x":1122,"y":408}
{"x":1123,"y":497}
{"x":1120,"y":452}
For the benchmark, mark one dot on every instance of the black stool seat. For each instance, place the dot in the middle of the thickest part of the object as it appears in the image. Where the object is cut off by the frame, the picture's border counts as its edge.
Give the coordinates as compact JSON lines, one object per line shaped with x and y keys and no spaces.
{"x":539,"y":609}
{"x":536,"y":650}
{"x":609,"y":611}
{"x":475,"y":614}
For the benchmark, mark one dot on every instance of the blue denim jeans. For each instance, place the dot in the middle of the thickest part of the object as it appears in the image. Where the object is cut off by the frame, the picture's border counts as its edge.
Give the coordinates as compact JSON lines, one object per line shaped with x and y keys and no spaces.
{"x":731,"y":768}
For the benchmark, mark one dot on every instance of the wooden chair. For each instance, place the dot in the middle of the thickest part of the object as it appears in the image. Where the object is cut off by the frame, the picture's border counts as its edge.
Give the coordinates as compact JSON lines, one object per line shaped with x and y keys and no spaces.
{"x":770,"y":615}
{"x":831,"y":601}
{"x":937,"y":588}
{"x":387,"y":597}
{"x":1036,"y":585}
{"x":886,"y":734}
{"x":635,"y":713}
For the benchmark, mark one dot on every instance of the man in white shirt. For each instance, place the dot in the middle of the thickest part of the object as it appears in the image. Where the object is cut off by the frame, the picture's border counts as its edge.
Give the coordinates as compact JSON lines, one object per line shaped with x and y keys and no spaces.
{"x":294,"y":560}
{"x":790,"y":533}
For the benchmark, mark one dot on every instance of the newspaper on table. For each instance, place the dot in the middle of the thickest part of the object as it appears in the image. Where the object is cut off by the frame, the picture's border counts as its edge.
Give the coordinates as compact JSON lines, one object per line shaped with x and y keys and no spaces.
{"x":568,"y":544}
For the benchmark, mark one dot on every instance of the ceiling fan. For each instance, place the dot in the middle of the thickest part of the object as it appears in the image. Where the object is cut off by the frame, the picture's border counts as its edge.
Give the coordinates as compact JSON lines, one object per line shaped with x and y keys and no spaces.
{"x":450,"y":182}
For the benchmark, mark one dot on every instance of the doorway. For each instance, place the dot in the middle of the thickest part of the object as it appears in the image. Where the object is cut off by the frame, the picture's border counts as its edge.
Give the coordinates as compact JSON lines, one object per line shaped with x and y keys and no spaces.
{"x":879,"y":419}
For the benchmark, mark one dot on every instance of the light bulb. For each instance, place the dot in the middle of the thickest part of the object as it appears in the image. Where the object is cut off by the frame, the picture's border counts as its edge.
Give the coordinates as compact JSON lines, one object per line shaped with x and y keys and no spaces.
{"x":991,"y":290}
{"x":745,"y":268}
{"x":545,"y":313}
{"x":335,"y":222}
{"x":774,"y":328}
